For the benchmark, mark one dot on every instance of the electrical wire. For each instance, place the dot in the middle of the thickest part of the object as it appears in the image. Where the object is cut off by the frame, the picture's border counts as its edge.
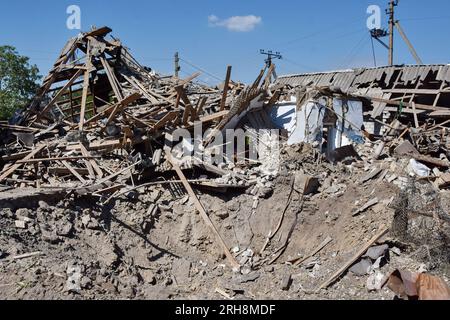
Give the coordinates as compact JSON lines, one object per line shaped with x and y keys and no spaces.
{"x":373,"y":52}
{"x":347,"y":61}
{"x":201,"y":69}
{"x":198,"y":80}
{"x":298,"y":64}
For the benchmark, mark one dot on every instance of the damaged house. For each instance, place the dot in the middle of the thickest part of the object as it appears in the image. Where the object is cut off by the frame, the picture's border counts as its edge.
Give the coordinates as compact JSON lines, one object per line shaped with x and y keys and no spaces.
{"x":361,"y":102}
{"x":95,"y":203}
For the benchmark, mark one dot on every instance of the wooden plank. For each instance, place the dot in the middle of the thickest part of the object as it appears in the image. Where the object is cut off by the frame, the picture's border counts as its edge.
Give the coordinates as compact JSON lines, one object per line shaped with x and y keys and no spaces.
{"x":135,"y":83}
{"x":353,"y":259}
{"x":225,"y":89}
{"x":99,"y":145}
{"x":438,"y":96}
{"x":201,"y":209}
{"x":112,"y":78}
{"x":6,"y":173}
{"x":185,"y":82}
{"x":63,"y":171}
{"x":93,"y":163}
{"x":415,"y":91}
{"x":269,"y":76}
{"x":18,"y":128}
{"x":90,"y":164}
{"x":312,"y":254}
{"x":60,"y":92}
{"x":15,"y":156}
{"x":416,"y":121}
{"x":87,"y":74}
{"x":55,"y":159}
{"x":258,"y":79}
{"x":103,"y":31}
{"x":406,"y":104}
{"x":200,"y":106}
{"x":130,"y":99}
{"x":440,"y":114}
{"x":187,"y":103}
{"x":73,"y":171}
{"x":215,"y":116}
{"x":168,"y":117}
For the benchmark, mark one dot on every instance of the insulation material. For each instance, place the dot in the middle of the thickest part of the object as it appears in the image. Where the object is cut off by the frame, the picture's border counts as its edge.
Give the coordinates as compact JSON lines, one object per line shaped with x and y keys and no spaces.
{"x":283,"y":114}
{"x":349,"y":124}
{"x":309,"y":123}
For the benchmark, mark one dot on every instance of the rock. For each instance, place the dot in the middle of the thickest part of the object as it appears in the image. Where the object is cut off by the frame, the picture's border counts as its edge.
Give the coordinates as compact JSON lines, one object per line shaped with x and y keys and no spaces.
{"x":180,"y":269}
{"x":361,"y":268}
{"x":23,"y":212}
{"x":222,"y":214}
{"x":269,"y":269}
{"x":86,"y":283}
{"x":85,"y":220}
{"x":20,"y":224}
{"x":148,"y":276}
{"x":7,"y":212}
{"x":396,"y":250}
{"x":48,"y":235}
{"x":376,"y":252}
{"x":248,"y":253}
{"x":233,"y":206}
{"x":43,"y":205}
{"x":286,"y":282}
{"x":249,"y":277}
{"x":64,"y":229}
{"x":375,"y":281}
{"x":73,"y":283}
{"x":245,"y":270}
{"x":265,"y":192}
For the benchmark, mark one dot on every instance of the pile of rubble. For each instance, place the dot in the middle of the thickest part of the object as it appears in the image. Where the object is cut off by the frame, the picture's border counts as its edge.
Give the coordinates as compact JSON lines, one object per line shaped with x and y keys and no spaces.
{"x":95,"y":202}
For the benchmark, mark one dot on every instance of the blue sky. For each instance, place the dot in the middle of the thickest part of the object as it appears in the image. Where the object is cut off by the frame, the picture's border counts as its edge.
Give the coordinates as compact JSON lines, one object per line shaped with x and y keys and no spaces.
{"x":312,"y":35}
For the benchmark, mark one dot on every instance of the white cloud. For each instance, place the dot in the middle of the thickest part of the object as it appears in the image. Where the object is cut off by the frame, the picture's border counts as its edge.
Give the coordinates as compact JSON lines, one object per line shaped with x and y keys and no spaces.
{"x":236,"y":23}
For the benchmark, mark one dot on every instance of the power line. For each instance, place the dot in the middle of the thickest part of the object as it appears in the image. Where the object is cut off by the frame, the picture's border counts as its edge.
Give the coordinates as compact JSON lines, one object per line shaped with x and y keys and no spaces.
{"x":201,"y":69}
{"x":427,"y":18}
{"x":208,"y":83}
{"x":324,"y":30}
{"x":373,"y":52}
{"x":349,"y":58}
{"x":298,"y":64}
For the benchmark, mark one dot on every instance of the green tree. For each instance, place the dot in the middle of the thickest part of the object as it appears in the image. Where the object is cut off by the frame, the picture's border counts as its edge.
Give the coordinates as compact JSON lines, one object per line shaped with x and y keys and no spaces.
{"x":18,"y":81}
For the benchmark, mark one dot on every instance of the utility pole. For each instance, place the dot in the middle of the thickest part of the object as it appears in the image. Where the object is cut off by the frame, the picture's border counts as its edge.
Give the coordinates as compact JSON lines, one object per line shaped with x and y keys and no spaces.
{"x":177,"y":65}
{"x":270,"y":55}
{"x":391,"y":13}
{"x":378,"y":34}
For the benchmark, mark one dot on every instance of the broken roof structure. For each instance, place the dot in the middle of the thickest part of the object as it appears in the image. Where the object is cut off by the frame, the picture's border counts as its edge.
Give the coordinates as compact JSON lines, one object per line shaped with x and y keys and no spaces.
{"x":425,"y":85}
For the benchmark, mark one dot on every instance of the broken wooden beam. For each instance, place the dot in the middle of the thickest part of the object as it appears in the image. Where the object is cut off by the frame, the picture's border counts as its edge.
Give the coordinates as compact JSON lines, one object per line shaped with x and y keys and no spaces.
{"x":201,"y":209}
{"x":16,"y":166}
{"x":56,"y":159}
{"x":225,"y":89}
{"x":353,"y":259}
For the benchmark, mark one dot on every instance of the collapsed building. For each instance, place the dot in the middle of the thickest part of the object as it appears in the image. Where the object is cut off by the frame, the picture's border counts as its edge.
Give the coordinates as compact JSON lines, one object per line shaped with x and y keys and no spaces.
{"x":369,"y":100}
{"x":103,"y":129}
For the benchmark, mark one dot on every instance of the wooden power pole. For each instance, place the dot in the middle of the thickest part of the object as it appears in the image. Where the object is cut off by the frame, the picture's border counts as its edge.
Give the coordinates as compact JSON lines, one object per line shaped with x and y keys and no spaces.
{"x":177,"y":64}
{"x":391,"y":13}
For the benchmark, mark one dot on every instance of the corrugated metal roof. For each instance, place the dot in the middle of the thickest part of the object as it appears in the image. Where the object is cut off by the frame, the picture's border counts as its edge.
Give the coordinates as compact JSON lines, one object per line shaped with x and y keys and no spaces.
{"x":351,"y":79}
{"x":444,"y":73}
